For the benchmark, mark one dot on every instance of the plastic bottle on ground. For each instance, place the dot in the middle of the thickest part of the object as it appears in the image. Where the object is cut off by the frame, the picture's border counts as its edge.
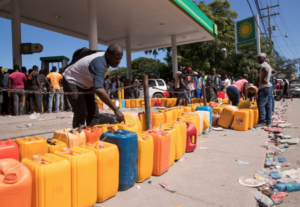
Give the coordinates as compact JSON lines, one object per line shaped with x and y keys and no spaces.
{"x":290,"y":187}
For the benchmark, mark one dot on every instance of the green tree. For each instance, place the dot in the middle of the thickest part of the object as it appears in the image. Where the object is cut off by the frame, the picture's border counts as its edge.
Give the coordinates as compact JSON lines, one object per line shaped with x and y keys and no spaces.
{"x":121,"y":71}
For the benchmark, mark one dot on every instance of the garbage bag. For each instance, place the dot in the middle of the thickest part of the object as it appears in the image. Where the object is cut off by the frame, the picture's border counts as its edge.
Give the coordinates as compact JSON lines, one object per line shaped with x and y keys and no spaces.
{"x":105,"y":118}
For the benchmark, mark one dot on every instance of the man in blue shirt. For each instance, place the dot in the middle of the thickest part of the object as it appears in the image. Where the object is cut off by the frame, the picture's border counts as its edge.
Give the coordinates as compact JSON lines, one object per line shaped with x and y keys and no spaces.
{"x":87,"y":75}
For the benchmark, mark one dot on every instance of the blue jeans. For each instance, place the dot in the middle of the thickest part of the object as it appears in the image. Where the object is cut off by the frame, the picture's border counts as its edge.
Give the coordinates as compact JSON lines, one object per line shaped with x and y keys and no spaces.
{"x":199,"y":93}
{"x":264,"y":103}
{"x":136,"y":94}
{"x":273,"y":104}
{"x":233,"y":95}
{"x":57,"y":99}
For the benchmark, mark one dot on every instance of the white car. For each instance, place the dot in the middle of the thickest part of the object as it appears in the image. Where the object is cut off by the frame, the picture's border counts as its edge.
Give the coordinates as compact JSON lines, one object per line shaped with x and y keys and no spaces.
{"x":153,"y":92}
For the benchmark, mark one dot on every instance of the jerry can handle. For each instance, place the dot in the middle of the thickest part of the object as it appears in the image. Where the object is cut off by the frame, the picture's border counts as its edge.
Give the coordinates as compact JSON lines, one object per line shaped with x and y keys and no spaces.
{"x":79,"y":130}
{"x":49,"y":141}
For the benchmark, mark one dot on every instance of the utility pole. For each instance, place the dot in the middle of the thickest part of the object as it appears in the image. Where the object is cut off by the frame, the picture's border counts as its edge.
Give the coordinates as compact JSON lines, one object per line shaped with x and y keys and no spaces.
{"x":269,"y":18}
{"x":270,"y":27}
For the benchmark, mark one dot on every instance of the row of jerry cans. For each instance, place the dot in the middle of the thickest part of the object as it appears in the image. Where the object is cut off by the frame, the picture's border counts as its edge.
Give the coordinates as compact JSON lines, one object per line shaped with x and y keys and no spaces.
{"x":238,"y":119}
{"x":70,"y":177}
{"x":27,"y":147}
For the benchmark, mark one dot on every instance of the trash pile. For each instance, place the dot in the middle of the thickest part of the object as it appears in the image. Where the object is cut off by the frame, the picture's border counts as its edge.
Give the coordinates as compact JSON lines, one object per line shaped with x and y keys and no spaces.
{"x":273,"y":183}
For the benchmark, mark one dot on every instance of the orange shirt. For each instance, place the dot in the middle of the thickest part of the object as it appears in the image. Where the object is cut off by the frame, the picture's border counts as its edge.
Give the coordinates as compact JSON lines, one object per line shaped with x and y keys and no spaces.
{"x":54,"y":78}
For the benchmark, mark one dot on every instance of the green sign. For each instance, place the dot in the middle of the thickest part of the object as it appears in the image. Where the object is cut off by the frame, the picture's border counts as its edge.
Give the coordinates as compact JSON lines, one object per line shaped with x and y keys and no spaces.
{"x":135,"y":66}
{"x":246,"y":30}
{"x":246,"y":44}
{"x":26,"y":48}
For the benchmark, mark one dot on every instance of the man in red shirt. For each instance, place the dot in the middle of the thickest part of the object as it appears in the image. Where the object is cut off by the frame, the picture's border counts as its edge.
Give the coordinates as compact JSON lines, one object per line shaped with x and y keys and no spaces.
{"x":16,"y":80}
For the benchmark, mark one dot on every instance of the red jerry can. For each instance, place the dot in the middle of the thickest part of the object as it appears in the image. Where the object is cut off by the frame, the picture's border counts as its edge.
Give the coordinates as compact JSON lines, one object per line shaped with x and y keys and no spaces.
{"x":9,"y":149}
{"x":92,"y":134}
{"x":191,"y":141}
{"x":158,"y":102}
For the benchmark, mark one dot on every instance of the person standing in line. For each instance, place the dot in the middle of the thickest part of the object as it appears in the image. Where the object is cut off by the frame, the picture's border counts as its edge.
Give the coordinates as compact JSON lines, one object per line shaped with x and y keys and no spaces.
{"x":274,"y":73}
{"x":225,"y":84}
{"x":5,"y":93}
{"x":195,"y":83}
{"x":62,"y":100}
{"x":34,"y":85}
{"x":183,"y":87}
{"x":190,"y":80}
{"x":135,"y":88}
{"x":220,"y":83}
{"x":264,"y":101}
{"x":43,"y":89}
{"x":107,"y":84}
{"x":127,"y":91}
{"x":177,"y":77}
{"x":213,"y":77}
{"x":232,"y":80}
{"x":199,"y":85}
{"x":27,"y":102}
{"x":54,"y":79}
{"x":119,"y":85}
{"x":286,"y":90}
{"x":17,"y":80}
{"x":113,"y":87}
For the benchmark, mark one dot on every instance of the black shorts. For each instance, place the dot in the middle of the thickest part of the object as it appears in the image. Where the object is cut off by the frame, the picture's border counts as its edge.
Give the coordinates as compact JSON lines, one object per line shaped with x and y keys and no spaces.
{"x":285,"y":93}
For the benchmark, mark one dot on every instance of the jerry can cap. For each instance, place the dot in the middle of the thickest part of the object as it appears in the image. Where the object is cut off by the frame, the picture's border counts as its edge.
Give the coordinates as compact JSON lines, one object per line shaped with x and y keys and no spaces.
{"x":10,"y":178}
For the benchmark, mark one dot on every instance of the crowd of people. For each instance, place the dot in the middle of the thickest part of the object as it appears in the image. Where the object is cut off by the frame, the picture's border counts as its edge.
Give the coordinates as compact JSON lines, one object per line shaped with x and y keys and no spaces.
{"x":188,"y":83}
{"x":18,"y":103}
{"x":191,"y":84}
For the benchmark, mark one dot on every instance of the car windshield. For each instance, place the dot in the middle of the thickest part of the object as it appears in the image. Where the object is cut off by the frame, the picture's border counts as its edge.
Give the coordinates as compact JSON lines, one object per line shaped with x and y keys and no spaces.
{"x":160,"y":83}
{"x":295,"y":85}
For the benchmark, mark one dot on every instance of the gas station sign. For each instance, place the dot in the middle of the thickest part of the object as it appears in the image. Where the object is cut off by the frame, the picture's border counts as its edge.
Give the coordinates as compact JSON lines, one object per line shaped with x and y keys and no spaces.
{"x":29,"y":48}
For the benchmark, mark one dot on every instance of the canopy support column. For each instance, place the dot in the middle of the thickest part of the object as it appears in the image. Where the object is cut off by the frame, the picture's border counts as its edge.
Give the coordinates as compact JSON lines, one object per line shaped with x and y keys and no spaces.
{"x":16,"y":32}
{"x":128,"y":57}
{"x":93,"y":32}
{"x":174,"y":55}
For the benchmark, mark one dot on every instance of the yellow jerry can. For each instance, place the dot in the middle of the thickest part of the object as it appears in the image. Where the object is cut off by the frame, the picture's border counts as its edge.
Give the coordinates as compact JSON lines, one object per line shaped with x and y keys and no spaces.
{"x":145,"y":157}
{"x":107,"y":127}
{"x":241,"y":121}
{"x":83,"y":175}
{"x":31,"y":146}
{"x":173,"y":137}
{"x":72,"y":137}
{"x":226,"y":117}
{"x":55,"y":145}
{"x":179,"y":140}
{"x":51,"y":180}
{"x":107,"y":169}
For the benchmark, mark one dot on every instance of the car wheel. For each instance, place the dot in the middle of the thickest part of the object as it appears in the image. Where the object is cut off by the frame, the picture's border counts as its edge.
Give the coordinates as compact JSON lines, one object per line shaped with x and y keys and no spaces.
{"x":158,"y":95}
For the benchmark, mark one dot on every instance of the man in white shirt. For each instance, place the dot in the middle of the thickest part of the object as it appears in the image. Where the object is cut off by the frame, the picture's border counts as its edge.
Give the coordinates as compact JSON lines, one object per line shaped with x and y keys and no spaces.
{"x":87,"y":75}
{"x":177,"y":77}
{"x":264,"y":101}
{"x":226,"y":83}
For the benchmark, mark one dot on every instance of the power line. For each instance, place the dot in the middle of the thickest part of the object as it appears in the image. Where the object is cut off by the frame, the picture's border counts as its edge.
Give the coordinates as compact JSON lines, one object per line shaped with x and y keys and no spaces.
{"x":287,"y":29}
{"x":284,"y":39}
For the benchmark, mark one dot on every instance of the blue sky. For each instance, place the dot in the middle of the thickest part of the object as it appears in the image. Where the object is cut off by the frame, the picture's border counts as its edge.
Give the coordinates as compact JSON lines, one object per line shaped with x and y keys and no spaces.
{"x":57,"y":44}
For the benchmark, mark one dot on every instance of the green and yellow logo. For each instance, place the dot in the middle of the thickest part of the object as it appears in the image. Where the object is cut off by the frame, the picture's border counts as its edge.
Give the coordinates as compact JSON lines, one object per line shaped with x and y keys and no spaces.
{"x":246,"y":29}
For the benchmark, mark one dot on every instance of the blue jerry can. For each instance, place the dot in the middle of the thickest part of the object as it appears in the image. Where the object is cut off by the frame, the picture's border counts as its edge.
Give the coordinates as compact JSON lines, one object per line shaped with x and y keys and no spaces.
{"x":127,"y":144}
{"x":206,"y":108}
{"x":123,"y":104}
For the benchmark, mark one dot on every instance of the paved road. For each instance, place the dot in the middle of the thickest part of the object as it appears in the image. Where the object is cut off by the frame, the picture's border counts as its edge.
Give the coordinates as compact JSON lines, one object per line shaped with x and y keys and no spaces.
{"x":203,"y":178}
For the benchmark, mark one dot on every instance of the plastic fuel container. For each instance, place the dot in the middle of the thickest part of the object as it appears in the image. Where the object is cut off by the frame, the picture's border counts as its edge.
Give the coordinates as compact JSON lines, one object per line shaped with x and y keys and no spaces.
{"x":15,"y":184}
{"x":83,"y":175}
{"x":161,"y":156}
{"x":107,"y":169}
{"x":241,"y":121}
{"x":191,"y":141}
{"x":9,"y":149}
{"x":145,"y":157}
{"x":51,"y":180}
{"x":72,"y":137}
{"x":31,"y":146}
{"x":55,"y":145}
{"x":127,"y":144}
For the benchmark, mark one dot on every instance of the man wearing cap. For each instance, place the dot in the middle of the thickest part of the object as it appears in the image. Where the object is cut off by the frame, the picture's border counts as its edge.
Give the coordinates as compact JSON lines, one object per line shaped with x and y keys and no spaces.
{"x":17,"y":81}
{"x":195,"y":82}
{"x":264,"y":101}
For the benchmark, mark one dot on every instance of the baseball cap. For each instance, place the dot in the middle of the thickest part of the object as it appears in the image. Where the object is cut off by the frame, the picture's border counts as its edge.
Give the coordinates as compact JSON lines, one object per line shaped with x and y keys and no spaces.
{"x":195,"y":73}
{"x":251,"y":85}
{"x":262,"y":55}
{"x":190,"y":69}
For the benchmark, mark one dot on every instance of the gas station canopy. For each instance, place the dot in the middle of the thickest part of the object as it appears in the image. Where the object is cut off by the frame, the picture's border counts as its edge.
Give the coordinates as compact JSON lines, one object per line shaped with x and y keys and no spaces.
{"x":149,"y":23}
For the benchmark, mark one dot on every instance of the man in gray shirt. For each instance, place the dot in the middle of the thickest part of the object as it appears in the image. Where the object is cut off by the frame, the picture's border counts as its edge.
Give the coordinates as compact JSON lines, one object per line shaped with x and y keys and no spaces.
{"x":264,"y":101}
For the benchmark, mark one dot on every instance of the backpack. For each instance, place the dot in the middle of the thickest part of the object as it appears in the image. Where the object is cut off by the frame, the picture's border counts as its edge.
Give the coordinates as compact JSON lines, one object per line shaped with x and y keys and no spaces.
{"x":81,"y":53}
